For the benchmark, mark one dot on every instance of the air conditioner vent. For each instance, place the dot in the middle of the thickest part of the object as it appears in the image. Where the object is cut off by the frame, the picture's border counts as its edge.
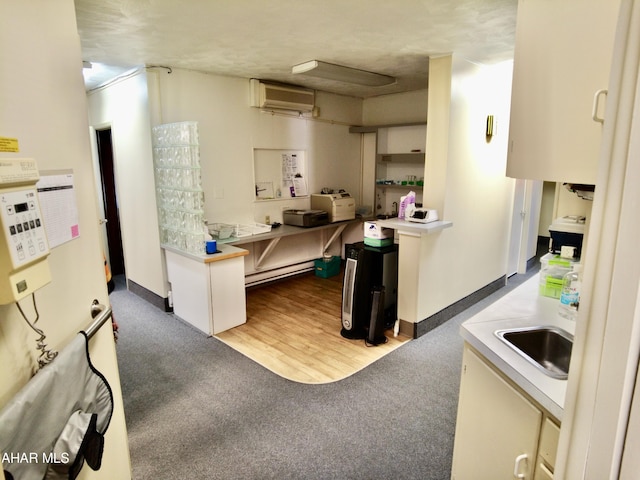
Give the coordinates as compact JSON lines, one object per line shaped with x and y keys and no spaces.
{"x":284,"y":97}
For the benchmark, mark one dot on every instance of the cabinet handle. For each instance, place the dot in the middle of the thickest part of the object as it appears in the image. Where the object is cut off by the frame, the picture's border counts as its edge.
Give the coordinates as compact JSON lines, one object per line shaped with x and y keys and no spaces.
{"x":516,"y":467}
{"x":596,"y":104}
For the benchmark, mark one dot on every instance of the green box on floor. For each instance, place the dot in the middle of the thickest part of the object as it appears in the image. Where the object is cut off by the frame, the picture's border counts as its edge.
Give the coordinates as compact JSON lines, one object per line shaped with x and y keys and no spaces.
{"x":328,"y":268}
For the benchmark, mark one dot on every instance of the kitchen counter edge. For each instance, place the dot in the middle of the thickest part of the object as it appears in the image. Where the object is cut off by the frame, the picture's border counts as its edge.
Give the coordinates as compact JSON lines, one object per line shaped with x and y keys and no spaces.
{"x":225,"y":252}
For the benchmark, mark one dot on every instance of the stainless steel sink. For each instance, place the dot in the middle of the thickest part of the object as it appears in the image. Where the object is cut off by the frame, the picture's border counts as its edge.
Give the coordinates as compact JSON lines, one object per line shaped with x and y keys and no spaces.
{"x":546,"y":347}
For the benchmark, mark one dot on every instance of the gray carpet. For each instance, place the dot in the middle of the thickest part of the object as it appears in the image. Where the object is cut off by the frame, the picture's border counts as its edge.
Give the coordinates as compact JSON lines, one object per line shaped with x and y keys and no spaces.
{"x":197,"y":409}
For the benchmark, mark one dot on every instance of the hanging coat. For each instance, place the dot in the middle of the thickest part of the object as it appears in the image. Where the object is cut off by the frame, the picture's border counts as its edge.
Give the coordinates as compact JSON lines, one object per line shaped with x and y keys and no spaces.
{"x":57,"y":421}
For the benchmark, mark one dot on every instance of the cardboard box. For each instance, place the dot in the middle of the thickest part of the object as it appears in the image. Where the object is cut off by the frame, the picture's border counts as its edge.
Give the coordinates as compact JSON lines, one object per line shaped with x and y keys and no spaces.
{"x":373,"y":230}
{"x":378,"y":242}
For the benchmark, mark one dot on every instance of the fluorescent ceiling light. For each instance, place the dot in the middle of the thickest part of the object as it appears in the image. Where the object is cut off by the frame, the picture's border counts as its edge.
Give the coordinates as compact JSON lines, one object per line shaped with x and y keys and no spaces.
{"x":330,"y":71}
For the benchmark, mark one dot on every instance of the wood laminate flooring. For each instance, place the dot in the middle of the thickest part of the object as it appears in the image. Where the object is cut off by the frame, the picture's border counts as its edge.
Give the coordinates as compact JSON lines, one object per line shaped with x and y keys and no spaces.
{"x":293,"y":329}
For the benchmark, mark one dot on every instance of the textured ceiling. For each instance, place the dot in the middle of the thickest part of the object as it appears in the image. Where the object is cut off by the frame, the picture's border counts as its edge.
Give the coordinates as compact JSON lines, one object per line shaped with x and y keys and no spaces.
{"x":264,"y":39}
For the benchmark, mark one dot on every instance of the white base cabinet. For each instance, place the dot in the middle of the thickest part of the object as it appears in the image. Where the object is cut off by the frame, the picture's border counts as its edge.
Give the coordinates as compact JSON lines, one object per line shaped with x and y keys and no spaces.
{"x":210,"y":295}
{"x":498,"y":429}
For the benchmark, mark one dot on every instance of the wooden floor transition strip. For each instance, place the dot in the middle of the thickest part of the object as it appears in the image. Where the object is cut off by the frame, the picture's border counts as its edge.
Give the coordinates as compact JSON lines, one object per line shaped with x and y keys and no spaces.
{"x":293,"y":329}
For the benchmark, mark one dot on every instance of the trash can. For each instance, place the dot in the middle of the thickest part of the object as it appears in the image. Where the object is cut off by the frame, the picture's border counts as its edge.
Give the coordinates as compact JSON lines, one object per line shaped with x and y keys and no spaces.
{"x":375,"y":335}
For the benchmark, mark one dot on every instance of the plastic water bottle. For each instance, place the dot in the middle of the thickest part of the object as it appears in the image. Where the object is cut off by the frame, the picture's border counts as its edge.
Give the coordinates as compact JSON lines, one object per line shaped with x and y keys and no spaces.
{"x":570,"y":296}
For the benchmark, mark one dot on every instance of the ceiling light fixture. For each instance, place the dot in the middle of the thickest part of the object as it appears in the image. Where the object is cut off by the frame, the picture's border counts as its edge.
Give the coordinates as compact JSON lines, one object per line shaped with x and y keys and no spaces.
{"x":330,"y":71}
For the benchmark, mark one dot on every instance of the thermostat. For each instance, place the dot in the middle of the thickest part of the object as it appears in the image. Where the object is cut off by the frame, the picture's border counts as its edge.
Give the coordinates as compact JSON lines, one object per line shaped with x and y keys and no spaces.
{"x":23,"y":241}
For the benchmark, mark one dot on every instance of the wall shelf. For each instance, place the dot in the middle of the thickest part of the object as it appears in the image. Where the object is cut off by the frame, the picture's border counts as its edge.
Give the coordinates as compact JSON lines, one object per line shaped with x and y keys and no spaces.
{"x":412,"y":157}
{"x":374,"y":128}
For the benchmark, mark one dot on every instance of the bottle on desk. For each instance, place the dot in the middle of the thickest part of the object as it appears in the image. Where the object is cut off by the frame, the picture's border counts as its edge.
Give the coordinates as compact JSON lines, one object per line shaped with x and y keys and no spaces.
{"x":570,"y":296}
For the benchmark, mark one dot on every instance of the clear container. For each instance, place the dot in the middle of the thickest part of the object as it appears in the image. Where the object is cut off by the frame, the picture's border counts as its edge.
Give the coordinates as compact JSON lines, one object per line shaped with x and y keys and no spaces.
{"x":552,"y":270}
{"x":570,"y":296}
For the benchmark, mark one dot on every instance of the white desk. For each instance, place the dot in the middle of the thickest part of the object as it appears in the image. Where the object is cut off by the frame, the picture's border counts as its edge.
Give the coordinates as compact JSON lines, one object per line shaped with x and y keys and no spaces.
{"x":288,"y":249}
{"x":208,"y":290}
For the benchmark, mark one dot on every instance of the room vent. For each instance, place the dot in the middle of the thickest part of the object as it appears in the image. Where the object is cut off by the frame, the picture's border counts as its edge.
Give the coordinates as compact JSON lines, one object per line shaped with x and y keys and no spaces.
{"x":283,"y":97}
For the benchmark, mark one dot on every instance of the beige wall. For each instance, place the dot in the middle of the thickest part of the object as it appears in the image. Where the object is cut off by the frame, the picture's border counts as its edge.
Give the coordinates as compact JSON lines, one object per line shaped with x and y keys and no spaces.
{"x":408,"y":107}
{"x":44,"y":107}
{"x":465,"y":181}
{"x":124,"y":107}
{"x":546,"y":208}
{"x":230,"y":130}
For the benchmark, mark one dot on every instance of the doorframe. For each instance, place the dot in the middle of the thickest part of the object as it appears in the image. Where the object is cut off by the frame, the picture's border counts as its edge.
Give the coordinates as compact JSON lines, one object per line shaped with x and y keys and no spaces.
{"x":517,"y":227}
{"x":523,"y":243}
{"x":99,"y":189}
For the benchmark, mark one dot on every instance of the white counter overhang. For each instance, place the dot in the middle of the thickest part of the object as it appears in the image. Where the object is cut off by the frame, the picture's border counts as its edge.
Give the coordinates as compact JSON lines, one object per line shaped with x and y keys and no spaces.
{"x":224,"y":253}
{"x":413,"y":228}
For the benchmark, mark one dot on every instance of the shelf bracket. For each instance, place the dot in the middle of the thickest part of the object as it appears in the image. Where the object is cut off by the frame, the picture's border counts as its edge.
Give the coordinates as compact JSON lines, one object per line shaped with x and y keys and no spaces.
{"x":272,"y":244}
{"x":335,"y":235}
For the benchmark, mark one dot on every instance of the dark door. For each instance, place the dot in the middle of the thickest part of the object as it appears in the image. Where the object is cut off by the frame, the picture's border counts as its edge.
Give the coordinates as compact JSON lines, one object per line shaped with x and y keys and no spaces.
{"x":107,"y":173}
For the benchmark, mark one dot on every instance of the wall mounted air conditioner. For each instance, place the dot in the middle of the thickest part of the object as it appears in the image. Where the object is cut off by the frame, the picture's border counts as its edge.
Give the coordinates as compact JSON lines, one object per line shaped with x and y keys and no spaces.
{"x":284,"y":97}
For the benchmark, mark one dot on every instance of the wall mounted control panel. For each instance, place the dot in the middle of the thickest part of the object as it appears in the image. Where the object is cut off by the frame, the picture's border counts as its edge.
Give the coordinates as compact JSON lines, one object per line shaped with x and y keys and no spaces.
{"x":23,"y":240}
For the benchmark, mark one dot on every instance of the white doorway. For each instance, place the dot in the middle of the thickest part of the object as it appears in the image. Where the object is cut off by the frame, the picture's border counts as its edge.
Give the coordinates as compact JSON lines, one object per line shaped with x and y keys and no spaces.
{"x":525,"y":218}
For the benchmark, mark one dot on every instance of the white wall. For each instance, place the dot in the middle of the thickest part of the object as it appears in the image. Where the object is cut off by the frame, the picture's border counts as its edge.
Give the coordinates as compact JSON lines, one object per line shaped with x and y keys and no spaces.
{"x":408,"y":107}
{"x":558,"y":202}
{"x":465,"y":180}
{"x":546,"y":208}
{"x":230,"y":130}
{"x":464,"y":174}
{"x":568,"y":203}
{"x":400,"y":108}
{"x":464,"y":177}
{"x":47,"y":113}
{"x":124,"y":106}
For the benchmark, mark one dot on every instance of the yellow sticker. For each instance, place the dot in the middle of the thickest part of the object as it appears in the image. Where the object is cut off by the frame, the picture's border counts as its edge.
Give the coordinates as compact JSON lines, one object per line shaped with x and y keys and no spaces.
{"x":9,"y":144}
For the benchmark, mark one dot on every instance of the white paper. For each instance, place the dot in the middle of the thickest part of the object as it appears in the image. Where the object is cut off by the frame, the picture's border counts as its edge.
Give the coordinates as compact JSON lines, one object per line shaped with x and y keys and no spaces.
{"x":300,"y":186}
{"x":292,"y":175}
{"x":58,"y":206}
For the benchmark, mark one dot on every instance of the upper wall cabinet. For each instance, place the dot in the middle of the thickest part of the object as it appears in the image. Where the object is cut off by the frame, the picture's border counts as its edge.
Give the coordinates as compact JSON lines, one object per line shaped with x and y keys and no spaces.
{"x":562,"y":60}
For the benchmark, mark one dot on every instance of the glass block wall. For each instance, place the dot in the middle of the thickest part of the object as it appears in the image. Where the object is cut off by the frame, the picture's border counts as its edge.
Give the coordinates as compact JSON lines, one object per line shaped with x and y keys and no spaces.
{"x":179,"y":194}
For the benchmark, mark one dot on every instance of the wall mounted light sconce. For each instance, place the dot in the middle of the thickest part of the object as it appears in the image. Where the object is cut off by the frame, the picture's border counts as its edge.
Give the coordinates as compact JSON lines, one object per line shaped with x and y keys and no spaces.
{"x":330,"y":71}
{"x":491,"y":128}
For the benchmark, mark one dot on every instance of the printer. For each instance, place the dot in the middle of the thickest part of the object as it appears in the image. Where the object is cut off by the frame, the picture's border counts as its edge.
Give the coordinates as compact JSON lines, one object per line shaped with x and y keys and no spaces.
{"x":340,"y":206}
{"x":305,"y":218}
{"x":422,"y":215}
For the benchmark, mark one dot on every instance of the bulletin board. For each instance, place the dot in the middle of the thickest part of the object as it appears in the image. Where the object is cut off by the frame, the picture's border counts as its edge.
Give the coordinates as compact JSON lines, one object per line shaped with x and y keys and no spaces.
{"x":280,"y":174}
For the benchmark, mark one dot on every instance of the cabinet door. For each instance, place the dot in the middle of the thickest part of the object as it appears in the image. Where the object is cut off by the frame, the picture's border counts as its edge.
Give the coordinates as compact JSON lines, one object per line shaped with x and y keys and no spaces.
{"x":495,"y":426}
{"x":542,"y":472}
{"x":562,"y":58}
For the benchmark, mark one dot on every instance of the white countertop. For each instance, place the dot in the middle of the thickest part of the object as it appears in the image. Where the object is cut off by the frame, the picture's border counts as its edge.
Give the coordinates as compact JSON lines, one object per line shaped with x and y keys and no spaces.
{"x":283,"y":231}
{"x":224,"y":253}
{"x":523,"y":307}
{"x":414,"y":227}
